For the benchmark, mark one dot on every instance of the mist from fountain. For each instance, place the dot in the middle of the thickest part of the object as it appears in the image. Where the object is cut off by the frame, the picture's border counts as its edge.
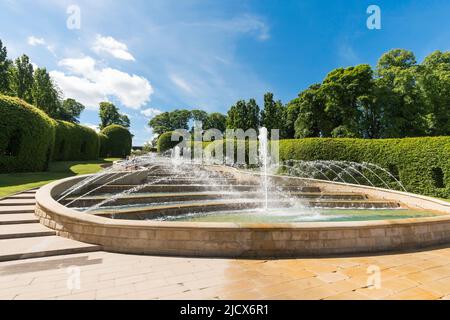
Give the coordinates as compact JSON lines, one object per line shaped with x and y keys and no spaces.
{"x":273,"y":198}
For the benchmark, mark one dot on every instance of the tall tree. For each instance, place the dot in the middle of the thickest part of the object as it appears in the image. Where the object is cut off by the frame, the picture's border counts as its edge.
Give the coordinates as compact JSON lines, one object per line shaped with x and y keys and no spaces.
{"x":344,"y":89}
{"x":169,"y":121}
{"x":292,"y":113}
{"x":200,"y":116}
{"x":253,"y":115}
{"x":244,"y":115}
{"x":312,"y":119}
{"x":217,"y":121}
{"x":398,"y":95}
{"x":109,"y":114}
{"x":273,"y":115}
{"x":435,"y":86}
{"x":22,"y":78}
{"x":45,"y":94}
{"x":5,"y":65}
{"x":70,"y":110}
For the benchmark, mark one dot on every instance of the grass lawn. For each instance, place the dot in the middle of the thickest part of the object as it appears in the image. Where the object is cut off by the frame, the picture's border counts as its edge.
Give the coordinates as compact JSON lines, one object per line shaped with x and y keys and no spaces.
{"x":15,"y":182}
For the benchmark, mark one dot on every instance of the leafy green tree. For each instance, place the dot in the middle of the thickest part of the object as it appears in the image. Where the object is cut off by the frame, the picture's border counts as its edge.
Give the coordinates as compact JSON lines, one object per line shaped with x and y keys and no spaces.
{"x":217,"y":121}
{"x":236,"y":115}
{"x":45,"y":94}
{"x":5,"y":65}
{"x":200,"y":116}
{"x":21,"y":77}
{"x":435,"y":87}
{"x":179,"y":119}
{"x":399,"y":98}
{"x":312,"y":120}
{"x":169,"y":121}
{"x":109,"y":114}
{"x":344,"y":89}
{"x":161,"y":123}
{"x":253,"y":115}
{"x":244,"y":115}
{"x":70,"y":110}
{"x":273,"y":114}
{"x":292,"y":114}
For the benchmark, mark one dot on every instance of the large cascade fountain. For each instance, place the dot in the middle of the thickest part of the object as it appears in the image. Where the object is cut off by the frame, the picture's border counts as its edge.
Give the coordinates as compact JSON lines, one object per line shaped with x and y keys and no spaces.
{"x":169,"y":204}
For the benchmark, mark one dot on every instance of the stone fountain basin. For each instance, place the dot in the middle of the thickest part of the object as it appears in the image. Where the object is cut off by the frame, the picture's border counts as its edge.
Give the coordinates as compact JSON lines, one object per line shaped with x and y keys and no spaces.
{"x":252,"y":239}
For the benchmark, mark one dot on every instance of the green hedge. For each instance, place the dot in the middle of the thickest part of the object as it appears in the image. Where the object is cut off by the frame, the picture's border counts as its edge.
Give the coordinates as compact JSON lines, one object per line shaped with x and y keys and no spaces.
{"x":115,"y":141}
{"x":421,"y":164}
{"x":165,"y":142}
{"x":103,"y":141}
{"x":75,"y":142}
{"x":27,"y":136}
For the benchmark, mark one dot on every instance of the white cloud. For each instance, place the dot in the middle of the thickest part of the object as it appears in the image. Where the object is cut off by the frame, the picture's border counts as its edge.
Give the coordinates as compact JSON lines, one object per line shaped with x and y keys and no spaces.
{"x":91,"y":84}
{"x":181,"y":83}
{"x":92,"y":126}
{"x":112,"y":47}
{"x":150,"y":112}
{"x":34,"y":41}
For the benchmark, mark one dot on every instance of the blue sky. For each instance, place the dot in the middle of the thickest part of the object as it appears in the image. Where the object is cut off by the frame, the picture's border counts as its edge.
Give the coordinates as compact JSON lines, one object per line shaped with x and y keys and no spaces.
{"x":149,"y":56}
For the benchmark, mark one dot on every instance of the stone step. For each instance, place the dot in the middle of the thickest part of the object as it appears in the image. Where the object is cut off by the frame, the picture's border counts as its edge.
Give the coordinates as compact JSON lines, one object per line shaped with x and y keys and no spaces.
{"x":149,"y":198}
{"x":206,"y":181}
{"x":176,"y":188}
{"x":349,"y":204}
{"x":159,"y":211}
{"x":146,"y":212}
{"x":16,"y":249}
{"x":188,"y":175}
{"x":196,"y":188}
{"x":13,"y":231}
{"x":21,"y":196}
{"x":18,"y":218}
{"x":33,"y":191}
{"x":17,"y":209}
{"x":330,"y":196}
{"x":17,"y":202}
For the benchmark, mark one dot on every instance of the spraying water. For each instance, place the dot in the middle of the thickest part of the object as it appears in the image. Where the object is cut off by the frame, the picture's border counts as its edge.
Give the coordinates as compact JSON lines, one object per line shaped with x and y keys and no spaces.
{"x":264,"y":159}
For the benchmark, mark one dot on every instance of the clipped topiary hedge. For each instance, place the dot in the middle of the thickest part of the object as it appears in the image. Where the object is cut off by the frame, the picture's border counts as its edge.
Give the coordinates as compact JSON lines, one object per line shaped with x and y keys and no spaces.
{"x":421,"y":164}
{"x":165,"y":142}
{"x":27,"y":136}
{"x":103,"y":139}
{"x":75,"y":142}
{"x":117,"y":142}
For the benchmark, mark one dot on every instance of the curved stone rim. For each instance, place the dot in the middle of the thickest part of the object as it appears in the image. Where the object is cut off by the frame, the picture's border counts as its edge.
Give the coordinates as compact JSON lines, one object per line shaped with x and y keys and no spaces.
{"x":250,"y":239}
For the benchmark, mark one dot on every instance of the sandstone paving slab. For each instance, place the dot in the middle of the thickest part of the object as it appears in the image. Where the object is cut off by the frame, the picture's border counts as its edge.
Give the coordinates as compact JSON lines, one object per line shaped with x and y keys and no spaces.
{"x":120,"y":276}
{"x":18,"y":218}
{"x":12,"y":231}
{"x":15,"y":249}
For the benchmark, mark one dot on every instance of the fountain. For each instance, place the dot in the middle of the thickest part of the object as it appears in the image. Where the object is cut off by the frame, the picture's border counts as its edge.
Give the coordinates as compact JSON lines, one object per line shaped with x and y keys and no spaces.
{"x":155,"y":204}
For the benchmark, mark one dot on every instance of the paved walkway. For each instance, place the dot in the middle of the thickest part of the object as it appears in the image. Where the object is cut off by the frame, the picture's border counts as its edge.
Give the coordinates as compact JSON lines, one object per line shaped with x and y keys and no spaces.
{"x":102,"y":275}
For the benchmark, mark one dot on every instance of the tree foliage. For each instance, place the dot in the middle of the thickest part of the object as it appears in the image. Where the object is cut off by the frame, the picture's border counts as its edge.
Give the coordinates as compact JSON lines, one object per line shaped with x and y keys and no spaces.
{"x":70,"y":110}
{"x":45,"y":95}
{"x":109,"y":115}
{"x":21,"y":77}
{"x":244,"y":115}
{"x":5,"y":65}
{"x":273,"y":115}
{"x":181,"y":118}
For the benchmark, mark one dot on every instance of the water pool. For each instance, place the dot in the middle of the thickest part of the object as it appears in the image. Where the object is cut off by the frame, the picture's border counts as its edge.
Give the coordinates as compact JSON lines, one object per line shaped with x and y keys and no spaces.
{"x":295,"y":215}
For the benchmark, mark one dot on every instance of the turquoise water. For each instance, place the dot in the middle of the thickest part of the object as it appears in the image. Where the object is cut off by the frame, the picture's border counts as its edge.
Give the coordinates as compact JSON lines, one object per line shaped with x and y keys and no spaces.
{"x":299,"y":215}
